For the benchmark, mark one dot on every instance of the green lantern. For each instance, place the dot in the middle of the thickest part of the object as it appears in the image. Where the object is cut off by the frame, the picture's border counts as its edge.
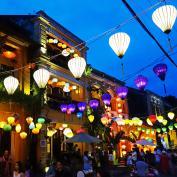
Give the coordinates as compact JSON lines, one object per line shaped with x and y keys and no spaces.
{"x":147,"y":131}
{"x":164,"y":129}
{"x":175,"y":125}
{"x":158,"y":130}
{"x":170,"y":127}
{"x":41,"y":120}
{"x":7,"y":128}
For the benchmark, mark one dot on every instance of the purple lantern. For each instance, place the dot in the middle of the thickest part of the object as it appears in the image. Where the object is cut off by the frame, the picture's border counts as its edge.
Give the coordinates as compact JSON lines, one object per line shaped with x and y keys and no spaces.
{"x":81,"y":106}
{"x":122,"y":92}
{"x":63,"y":107}
{"x":160,"y":70}
{"x":106,"y":97}
{"x":141,"y":82}
{"x":94,"y":104}
{"x":71,"y":108}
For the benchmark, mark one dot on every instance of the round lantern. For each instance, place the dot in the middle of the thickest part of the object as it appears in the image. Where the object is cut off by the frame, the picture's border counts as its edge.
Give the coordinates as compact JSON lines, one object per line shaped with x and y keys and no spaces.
{"x":29,"y":120}
{"x":91,"y":118}
{"x":140,"y":123}
{"x":41,"y":120}
{"x":31,"y":126}
{"x":160,"y":119}
{"x":170,"y":127}
{"x":77,"y":66}
{"x":164,"y":17}
{"x":164,"y":122}
{"x":2,"y":123}
{"x":164,"y":129}
{"x":68,"y":133}
{"x":7,"y":127}
{"x":106,"y":98}
{"x":9,"y":54}
{"x":64,"y":125}
{"x":18,"y":128}
{"x":94,"y":104}
{"x":11,"y":120}
{"x":35,"y":131}
{"x":153,"y":118}
{"x":39,"y":126}
{"x":71,"y":108}
{"x":64,"y":107}
{"x":79,"y":115}
{"x":50,"y":133}
{"x":119,"y":43}
{"x":41,"y":76}
{"x":122,"y":92}
{"x":23,"y":135}
{"x":104,"y":120}
{"x":141,"y":82}
{"x":81,"y":106}
{"x":171,"y":115}
{"x":11,"y":84}
{"x":160,"y":70}
{"x":158,"y":130}
{"x":175,"y":125}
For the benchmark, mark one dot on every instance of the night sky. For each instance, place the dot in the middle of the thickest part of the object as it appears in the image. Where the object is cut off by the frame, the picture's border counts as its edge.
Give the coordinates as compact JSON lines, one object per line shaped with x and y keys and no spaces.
{"x":90,"y":18}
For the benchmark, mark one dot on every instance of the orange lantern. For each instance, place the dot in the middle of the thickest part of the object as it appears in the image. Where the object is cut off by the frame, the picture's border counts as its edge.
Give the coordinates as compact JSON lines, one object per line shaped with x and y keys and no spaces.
{"x":29,"y":120}
{"x":35,"y":131}
{"x":23,"y":135}
{"x":9,"y":54}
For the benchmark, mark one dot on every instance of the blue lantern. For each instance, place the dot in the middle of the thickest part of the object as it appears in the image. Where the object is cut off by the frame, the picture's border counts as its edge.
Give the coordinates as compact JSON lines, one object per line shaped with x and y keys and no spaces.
{"x":79,"y":115}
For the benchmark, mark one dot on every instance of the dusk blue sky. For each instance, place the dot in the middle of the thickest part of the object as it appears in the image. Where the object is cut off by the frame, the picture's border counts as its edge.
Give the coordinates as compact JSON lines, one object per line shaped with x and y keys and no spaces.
{"x":88,"y":18}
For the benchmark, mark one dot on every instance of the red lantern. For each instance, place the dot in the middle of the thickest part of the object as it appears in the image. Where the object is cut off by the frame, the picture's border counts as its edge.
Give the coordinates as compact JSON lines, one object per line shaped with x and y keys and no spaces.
{"x":9,"y":54}
{"x":153,"y":118}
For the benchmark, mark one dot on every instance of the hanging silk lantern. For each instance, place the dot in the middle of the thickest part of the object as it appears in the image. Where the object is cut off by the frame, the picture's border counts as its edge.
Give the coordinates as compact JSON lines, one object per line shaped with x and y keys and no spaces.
{"x":68,"y":133}
{"x":149,"y":122}
{"x":122,"y":92}
{"x":91,"y":118}
{"x":29,"y":120}
{"x":2,"y":123}
{"x":164,"y":129}
{"x":35,"y":131}
{"x":11,"y":120}
{"x":160,"y":70}
{"x":164,"y":17}
{"x":119,"y":43}
{"x":140,"y":122}
{"x":139,"y":128}
{"x":141,"y":82}
{"x":41,"y":120}
{"x":41,"y":76}
{"x":160,"y":119}
{"x":79,"y":115}
{"x":158,"y":130}
{"x":50,"y":133}
{"x":171,"y":115}
{"x":39,"y":126}
{"x":64,"y":125}
{"x":94,"y":104}
{"x":31,"y":126}
{"x":71,"y":108}
{"x":164,"y":122}
{"x":18,"y":128}
{"x":77,"y":66}
{"x":81,"y":106}
{"x":9,"y":54}
{"x":170,"y":127}
{"x":23,"y":135}
{"x":153,"y":118}
{"x":104,"y":120}
{"x":11,"y":84}
{"x":63,"y":107}
{"x":175,"y":125}
{"x":106,"y":98}
{"x":7,"y":128}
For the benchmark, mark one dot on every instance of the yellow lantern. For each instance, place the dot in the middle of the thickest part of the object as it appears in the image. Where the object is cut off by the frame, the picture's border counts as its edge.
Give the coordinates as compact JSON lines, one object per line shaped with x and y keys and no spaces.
{"x":104,"y":120}
{"x":18,"y":128}
{"x":35,"y":131}
{"x":2,"y":124}
{"x":49,"y":133}
{"x":39,"y":126}
{"x":164,"y":122}
{"x":130,"y":122}
{"x":11,"y":120}
{"x":91,"y":118}
{"x":140,"y":122}
{"x":149,"y":122}
{"x":68,"y":133}
{"x":64,"y":125}
{"x":50,"y":41}
{"x":29,"y":120}
{"x":126,"y":121}
{"x":64,"y":46}
{"x":171,"y":115}
{"x":23,"y":135}
{"x":160,"y":118}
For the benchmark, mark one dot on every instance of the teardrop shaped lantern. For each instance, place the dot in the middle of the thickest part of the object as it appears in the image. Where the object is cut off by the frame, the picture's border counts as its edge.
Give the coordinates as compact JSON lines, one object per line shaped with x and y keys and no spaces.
{"x":106,"y":97}
{"x":164,"y":17}
{"x":119,"y":43}
{"x":160,"y":70}
{"x":81,"y":106}
{"x":11,"y":83}
{"x":122,"y":92}
{"x":77,"y":66}
{"x":41,"y":76}
{"x":141,"y":82}
{"x":94,"y":104}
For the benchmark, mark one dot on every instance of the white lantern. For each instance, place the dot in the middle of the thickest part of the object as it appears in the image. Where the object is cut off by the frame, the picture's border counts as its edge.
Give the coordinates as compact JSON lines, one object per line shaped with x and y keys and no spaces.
{"x":119,"y":43}
{"x":77,"y":66}
{"x":41,"y":76}
{"x":164,"y":17}
{"x":11,"y":84}
{"x":68,"y":133}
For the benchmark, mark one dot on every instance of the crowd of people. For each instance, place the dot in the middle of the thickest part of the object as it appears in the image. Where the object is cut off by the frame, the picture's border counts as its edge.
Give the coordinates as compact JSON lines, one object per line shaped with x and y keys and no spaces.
{"x":148,"y":164}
